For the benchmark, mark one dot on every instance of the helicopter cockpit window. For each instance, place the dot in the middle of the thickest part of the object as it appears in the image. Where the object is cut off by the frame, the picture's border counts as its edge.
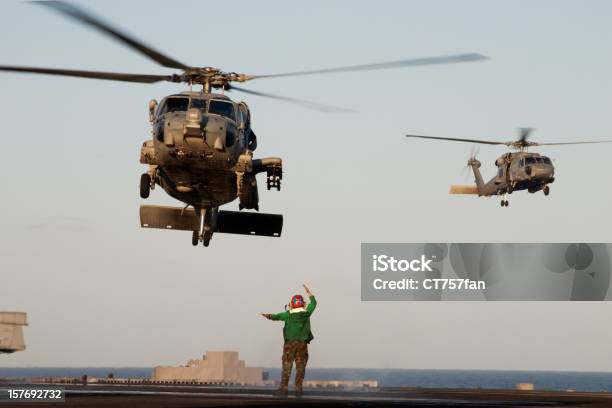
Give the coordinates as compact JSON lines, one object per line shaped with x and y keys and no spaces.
{"x":222,"y":108}
{"x":177,"y":104}
{"x":530,"y":160}
{"x":199,"y":104}
{"x":244,"y":114}
{"x":546,"y":160}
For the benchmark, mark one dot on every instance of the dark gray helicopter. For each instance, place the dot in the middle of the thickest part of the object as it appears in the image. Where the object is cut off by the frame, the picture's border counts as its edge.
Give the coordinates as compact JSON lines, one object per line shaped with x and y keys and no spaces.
{"x":202,"y":148}
{"x":519,"y":170}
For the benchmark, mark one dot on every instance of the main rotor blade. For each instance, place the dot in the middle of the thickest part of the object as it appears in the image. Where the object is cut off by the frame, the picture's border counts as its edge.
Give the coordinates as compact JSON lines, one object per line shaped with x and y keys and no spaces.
{"x":86,"y":18}
{"x":114,"y":76}
{"x":383,"y":65}
{"x":307,"y":104}
{"x":572,"y":143}
{"x":459,"y":140}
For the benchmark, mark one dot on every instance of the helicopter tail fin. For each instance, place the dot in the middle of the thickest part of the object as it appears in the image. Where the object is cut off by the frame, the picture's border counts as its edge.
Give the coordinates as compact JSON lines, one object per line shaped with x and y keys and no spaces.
{"x":463,"y":189}
{"x":475,"y":165}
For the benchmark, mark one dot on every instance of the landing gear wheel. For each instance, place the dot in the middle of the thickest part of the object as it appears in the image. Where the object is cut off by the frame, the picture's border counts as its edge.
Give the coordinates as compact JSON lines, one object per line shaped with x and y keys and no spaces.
{"x":507,"y":203}
{"x":145,"y":185}
{"x":207,"y":237}
{"x":502,"y":203}
{"x":195,"y":238}
{"x":546,"y":190}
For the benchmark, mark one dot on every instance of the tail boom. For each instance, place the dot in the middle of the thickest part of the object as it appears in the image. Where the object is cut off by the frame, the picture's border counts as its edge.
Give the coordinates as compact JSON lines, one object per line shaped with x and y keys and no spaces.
{"x":464,"y":189}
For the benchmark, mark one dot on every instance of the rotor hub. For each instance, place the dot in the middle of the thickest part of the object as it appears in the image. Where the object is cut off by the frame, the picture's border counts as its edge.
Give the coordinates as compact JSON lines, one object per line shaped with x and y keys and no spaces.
{"x":521,"y":144}
{"x":210,"y":77}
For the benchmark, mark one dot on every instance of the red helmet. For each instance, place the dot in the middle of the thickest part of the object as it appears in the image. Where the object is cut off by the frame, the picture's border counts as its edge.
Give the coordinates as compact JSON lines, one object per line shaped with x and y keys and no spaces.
{"x":297,"y":301}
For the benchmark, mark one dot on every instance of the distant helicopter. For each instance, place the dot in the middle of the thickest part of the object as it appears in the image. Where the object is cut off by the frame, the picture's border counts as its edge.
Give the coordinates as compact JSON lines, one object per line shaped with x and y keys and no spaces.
{"x":201,"y":152}
{"x":515,"y":171}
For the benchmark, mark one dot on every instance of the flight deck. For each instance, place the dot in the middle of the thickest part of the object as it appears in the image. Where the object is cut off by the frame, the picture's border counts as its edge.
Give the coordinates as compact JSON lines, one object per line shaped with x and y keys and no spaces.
{"x":207,"y":396}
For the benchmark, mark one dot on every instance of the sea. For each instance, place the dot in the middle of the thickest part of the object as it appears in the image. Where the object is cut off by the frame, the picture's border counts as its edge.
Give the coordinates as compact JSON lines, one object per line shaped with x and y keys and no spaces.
{"x":488,"y":379}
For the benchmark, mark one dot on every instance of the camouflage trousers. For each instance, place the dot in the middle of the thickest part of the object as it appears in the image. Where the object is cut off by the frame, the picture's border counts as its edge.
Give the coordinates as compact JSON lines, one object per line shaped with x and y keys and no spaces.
{"x":294,"y":351}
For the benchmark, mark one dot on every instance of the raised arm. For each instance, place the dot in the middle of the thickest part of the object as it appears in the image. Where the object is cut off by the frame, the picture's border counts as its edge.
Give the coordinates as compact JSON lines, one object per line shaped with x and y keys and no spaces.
{"x":313,"y":301}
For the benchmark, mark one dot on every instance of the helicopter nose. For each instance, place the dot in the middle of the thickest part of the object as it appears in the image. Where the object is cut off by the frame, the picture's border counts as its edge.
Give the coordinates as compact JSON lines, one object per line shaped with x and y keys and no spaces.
{"x":541,"y":171}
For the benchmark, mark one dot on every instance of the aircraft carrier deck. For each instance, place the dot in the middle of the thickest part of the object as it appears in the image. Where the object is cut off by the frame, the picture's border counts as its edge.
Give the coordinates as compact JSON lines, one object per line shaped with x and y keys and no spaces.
{"x":153,"y":396}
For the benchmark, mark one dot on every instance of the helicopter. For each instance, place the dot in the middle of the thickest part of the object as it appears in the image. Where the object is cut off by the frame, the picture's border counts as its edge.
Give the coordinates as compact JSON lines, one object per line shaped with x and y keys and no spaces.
{"x":520,"y":170}
{"x":202,"y":144}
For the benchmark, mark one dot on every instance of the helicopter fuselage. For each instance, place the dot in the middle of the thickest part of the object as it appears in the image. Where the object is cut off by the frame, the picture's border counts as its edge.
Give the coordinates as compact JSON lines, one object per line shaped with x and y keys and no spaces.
{"x":201,"y":153}
{"x":201,"y":150}
{"x":515,"y":171}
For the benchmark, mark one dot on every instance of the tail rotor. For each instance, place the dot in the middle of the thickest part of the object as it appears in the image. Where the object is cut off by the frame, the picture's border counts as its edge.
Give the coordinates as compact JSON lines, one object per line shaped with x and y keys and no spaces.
{"x":474,"y":150}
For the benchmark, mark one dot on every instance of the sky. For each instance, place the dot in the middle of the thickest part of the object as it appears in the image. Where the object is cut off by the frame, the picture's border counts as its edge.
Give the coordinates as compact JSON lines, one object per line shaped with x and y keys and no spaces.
{"x":99,"y":291}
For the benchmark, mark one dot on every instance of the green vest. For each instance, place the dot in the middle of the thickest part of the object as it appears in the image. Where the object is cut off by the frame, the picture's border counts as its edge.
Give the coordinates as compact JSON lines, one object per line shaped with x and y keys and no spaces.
{"x":297,"y":324}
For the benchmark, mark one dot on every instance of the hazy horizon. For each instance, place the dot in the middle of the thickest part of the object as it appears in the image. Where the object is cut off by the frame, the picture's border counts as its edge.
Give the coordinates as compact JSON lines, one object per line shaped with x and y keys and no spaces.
{"x":309,"y":366}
